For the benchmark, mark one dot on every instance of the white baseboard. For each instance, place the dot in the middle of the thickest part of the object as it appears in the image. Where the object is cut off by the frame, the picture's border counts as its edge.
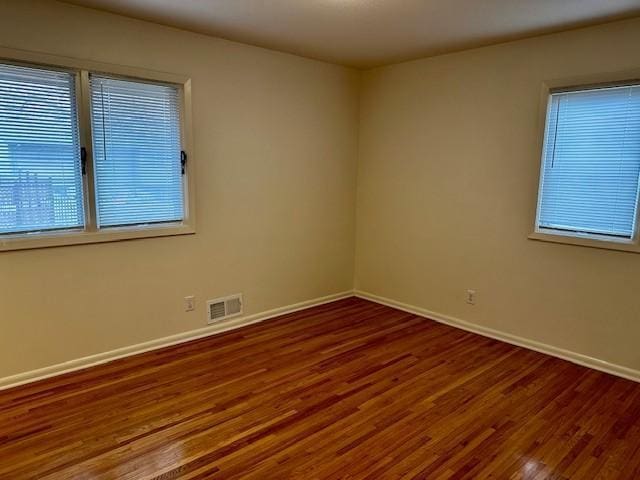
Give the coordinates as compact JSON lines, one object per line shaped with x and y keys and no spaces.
{"x":578,"y":358}
{"x":100,"y":358}
{"x":105,"y":357}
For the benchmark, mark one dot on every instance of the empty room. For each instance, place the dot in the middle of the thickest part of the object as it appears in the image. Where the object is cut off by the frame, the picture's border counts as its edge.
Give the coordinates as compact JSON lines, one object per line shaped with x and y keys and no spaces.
{"x":319,"y":239}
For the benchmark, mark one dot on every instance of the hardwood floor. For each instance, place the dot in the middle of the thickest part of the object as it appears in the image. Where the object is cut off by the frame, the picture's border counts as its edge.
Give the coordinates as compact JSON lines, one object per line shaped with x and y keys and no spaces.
{"x":349,"y":390}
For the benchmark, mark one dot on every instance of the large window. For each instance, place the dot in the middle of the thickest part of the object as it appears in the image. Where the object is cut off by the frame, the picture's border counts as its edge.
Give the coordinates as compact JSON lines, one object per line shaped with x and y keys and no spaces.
{"x":591,"y":164}
{"x":87,"y":156}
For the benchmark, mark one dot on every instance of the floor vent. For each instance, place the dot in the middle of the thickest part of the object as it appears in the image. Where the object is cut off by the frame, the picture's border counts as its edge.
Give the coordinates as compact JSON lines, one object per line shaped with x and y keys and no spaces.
{"x":223,"y":308}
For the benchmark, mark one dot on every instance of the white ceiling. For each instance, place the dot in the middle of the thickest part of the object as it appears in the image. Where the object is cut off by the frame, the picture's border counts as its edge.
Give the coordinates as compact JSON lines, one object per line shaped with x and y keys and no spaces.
{"x":366,"y":33}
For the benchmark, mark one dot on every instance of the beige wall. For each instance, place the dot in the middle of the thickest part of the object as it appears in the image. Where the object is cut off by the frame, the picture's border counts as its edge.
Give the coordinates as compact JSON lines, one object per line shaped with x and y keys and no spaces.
{"x":275,"y":146}
{"x":447,"y":182}
{"x":447,"y":189}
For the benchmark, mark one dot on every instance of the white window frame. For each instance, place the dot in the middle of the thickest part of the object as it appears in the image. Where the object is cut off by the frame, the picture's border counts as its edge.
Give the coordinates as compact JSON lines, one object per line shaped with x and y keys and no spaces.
{"x":585,"y":82}
{"x":91,"y":233}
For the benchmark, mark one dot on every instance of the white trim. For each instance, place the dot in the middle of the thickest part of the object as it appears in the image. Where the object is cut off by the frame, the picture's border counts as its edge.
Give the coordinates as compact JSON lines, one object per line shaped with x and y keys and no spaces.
{"x":574,"y":357}
{"x":105,"y":357}
{"x":63,"y":238}
{"x":73,"y":63}
{"x":593,"y":241}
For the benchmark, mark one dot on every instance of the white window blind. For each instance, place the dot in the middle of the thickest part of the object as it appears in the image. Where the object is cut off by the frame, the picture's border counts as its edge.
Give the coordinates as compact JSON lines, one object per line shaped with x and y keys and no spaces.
{"x":136,"y":148}
{"x":40,"y":171}
{"x":591,"y":162}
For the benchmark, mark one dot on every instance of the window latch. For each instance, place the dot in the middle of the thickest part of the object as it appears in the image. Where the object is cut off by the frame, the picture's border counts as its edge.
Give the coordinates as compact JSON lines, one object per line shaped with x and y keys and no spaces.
{"x":83,"y":160}
{"x":183,"y":161}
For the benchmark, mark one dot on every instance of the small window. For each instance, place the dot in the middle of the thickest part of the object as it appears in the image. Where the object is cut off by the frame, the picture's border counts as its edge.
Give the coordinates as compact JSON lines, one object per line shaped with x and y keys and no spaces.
{"x":591,"y":164}
{"x":136,"y":150}
{"x":88,"y":156}
{"x":40,"y":173}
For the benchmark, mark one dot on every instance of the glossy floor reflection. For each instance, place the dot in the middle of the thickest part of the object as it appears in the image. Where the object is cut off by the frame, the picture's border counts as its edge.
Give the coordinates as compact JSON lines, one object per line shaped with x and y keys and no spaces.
{"x":349,"y":390}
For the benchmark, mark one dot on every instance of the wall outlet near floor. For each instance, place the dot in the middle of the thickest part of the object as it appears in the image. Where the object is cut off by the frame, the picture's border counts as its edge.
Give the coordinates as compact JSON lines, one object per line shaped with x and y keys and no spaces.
{"x":471,"y":297}
{"x":189,"y":303}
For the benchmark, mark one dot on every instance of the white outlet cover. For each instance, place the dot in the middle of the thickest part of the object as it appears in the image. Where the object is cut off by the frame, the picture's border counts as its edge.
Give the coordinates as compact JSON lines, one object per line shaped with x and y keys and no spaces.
{"x":189,"y":303}
{"x":471,"y":297}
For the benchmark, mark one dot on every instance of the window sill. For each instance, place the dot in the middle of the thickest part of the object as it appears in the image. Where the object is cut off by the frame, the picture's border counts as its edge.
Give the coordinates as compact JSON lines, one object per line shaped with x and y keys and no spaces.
{"x":620,"y":245}
{"x":80,"y":237}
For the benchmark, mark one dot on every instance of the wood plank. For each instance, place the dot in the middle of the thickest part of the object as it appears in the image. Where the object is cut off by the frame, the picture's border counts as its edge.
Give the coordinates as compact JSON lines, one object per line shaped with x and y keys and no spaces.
{"x":347,"y":390}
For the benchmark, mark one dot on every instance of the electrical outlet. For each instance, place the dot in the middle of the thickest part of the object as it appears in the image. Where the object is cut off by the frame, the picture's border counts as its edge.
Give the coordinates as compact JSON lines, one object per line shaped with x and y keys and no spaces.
{"x":189,"y":303}
{"x":471,"y":297}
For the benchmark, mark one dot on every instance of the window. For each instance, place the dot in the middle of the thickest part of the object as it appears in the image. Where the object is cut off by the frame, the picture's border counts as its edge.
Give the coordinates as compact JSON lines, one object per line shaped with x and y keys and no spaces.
{"x":87,"y":156}
{"x":137,"y":153}
{"x":40,"y":173}
{"x":591,"y":164}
